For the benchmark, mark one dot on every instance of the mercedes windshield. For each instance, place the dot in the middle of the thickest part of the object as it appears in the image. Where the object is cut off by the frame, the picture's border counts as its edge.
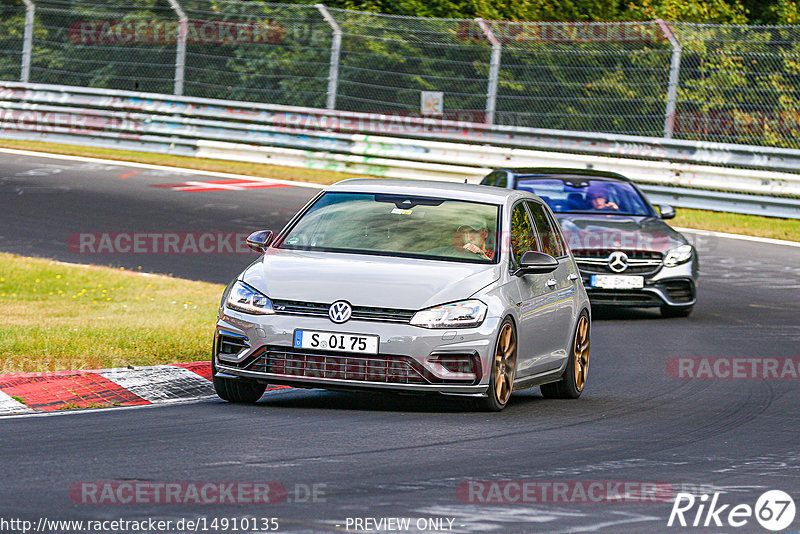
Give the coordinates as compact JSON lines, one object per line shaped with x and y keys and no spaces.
{"x":581,"y":194}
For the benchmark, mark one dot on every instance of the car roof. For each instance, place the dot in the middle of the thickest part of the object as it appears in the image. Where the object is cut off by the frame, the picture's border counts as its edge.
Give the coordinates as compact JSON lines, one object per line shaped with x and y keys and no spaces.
{"x":450,"y":190}
{"x":556,"y":171}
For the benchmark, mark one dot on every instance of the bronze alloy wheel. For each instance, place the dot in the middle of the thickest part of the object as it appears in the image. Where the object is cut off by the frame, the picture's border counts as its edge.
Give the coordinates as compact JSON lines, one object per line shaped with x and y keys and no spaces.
{"x":581,"y":351}
{"x":572,"y":382}
{"x":504,"y":361}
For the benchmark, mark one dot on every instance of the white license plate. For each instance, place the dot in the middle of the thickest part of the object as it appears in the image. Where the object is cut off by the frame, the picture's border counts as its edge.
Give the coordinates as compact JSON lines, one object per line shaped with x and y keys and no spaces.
{"x":336,"y":341}
{"x":610,"y":281}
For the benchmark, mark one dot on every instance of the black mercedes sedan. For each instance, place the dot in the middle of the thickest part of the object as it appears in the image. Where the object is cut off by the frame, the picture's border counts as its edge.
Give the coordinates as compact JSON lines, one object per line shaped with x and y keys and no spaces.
{"x":627,"y":255}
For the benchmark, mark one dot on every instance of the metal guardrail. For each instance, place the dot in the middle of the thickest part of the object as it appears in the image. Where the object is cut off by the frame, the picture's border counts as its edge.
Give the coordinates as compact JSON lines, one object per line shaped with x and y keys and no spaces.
{"x":684,"y":197}
{"x":395,"y":146}
{"x":300,"y":119}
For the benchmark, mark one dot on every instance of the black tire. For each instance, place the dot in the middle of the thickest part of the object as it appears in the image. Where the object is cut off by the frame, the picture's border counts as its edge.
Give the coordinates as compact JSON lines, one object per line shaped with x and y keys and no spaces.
{"x":239,"y":390}
{"x":570,"y":387}
{"x":505,"y":362}
{"x":676,"y":311}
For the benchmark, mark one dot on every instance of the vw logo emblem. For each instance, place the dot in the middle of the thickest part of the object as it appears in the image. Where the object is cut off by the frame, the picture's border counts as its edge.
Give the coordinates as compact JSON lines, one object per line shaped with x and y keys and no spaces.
{"x":340,"y":311}
{"x":618,"y":261}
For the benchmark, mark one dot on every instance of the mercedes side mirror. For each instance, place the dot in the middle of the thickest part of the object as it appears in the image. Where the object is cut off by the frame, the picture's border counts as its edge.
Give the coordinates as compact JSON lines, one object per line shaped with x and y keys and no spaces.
{"x":536,"y":263}
{"x":667,"y":211}
{"x":259,"y":241}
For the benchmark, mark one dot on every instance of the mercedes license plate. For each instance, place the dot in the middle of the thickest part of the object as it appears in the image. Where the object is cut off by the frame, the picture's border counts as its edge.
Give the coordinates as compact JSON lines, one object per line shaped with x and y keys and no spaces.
{"x":609,"y":281}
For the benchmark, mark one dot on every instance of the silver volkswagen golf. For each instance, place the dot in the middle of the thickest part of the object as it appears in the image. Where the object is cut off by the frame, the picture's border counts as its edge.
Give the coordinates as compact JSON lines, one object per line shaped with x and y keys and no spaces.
{"x":400,"y":285}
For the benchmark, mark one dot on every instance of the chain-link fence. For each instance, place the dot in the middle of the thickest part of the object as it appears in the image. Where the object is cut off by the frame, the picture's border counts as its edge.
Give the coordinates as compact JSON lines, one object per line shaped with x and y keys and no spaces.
{"x":602,"y":77}
{"x":736,"y":84}
{"x":276,"y":53}
{"x":387,"y":61}
{"x":98,"y":44}
{"x":12,"y":29}
{"x":739,"y":84}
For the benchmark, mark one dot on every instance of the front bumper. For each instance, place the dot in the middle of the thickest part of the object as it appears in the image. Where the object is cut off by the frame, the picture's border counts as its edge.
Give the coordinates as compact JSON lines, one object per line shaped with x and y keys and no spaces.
{"x":674,"y":286}
{"x":409,"y":358}
{"x":678,"y":293}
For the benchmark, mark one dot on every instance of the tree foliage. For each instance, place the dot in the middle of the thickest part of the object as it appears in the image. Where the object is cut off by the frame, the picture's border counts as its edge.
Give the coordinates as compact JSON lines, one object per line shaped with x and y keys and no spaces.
{"x":703,"y":11}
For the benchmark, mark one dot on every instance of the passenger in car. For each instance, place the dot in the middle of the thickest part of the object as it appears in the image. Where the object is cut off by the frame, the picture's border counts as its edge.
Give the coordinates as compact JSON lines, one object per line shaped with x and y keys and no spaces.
{"x":600,"y":201}
{"x":474,"y":234}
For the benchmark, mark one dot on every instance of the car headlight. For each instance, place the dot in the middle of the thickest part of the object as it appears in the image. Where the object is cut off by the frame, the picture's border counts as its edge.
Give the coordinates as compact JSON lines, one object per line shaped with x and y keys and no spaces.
{"x":678,"y":255}
{"x":456,"y":315}
{"x":247,"y":299}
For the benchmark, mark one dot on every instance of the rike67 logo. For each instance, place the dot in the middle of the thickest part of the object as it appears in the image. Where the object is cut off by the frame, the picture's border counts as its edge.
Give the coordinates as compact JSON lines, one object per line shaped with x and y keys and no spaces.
{"x":774,"y":510}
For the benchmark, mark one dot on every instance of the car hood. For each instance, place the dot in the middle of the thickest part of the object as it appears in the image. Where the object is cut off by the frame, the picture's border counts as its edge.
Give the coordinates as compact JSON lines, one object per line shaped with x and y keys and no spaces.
{"x":588,"y":231}
{"x":363,"y":280}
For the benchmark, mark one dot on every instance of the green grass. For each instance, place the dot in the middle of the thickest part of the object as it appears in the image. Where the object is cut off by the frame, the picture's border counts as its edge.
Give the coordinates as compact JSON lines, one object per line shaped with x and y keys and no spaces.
{"x":62,"y":317}
{"x":73,"y":406}
{"x":734,"y":223}
{"x":296,"y":174}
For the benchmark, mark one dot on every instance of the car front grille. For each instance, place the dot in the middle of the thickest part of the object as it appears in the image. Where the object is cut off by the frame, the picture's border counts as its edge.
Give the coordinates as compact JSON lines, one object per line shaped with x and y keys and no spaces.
{"x":300,"y":363}
{"x":361,"y":313}
{"x":595,"y":261}
{"x":626,"y":297}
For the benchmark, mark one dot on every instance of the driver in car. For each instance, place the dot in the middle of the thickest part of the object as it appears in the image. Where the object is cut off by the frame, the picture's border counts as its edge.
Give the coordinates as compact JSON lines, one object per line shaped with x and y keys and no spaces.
{"x":474,"y":235}
{"x":599,"y":200}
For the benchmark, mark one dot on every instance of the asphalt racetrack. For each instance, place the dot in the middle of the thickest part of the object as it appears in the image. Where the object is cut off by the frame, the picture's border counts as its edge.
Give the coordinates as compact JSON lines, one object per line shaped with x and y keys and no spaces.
{"x":374,"y":457}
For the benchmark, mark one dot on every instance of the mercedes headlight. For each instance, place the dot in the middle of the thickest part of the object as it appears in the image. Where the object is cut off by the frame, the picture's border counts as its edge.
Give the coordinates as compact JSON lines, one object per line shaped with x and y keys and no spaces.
{"x":464,"y":314}
{"x":247,"y":299}
{"x":678,"y":255}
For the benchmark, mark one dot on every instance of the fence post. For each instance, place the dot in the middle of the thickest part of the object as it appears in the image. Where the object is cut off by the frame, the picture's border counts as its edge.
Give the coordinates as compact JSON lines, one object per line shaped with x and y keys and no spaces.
{"x":494,"y":70}
{"x":336,"y":48}
{"x":180,"y":54}
{"x":27,"y":44}
{"x":674,"y":77}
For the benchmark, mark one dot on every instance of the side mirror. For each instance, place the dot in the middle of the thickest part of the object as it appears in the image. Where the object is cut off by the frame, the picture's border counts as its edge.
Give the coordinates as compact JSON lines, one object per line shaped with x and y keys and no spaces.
{"x":667,"y":211}
{"x":259,"y":241}
{"x":536,"y":263}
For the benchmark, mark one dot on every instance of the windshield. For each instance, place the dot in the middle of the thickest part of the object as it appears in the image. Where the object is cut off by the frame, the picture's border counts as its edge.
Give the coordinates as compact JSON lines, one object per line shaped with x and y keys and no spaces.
{"x":582,"y":194}
{"x":395,"y":225}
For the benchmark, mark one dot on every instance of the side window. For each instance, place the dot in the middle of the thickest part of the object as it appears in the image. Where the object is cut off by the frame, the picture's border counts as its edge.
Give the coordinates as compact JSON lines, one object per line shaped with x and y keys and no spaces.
{"x":549,"y":236}
{"x":502,"y":181}
{"x":496,"y":179}
{"x":559,"y":235}
{"x":523,"y":236}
